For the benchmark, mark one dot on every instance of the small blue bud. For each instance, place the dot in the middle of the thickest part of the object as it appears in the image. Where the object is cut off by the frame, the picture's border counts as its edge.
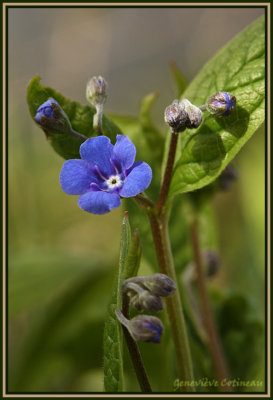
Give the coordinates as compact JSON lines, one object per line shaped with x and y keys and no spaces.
{"x":52,"y":117}
{"x":97,"y":90}
{"x":175,"y":116}
{"x":221,"y":104}
{"x":146,"y":328}
{"x":159,"y":284}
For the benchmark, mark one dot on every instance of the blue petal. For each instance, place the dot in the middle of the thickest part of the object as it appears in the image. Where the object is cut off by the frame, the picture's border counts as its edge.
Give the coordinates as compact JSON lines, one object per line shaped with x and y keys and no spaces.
{"x":138,"y":180}
{"x":76,"y":177}
{"x":124,"y":151}
{"x":99,"y":202}
{"x":98,"y":151}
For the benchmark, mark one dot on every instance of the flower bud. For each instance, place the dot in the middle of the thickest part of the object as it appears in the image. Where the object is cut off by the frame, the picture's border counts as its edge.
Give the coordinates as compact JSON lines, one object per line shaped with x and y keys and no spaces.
{"x":51,"y":116}
{"x":141,"y":299}
{"x":227,"y":177}
{"x":146,"y":328}
{"x":194,"y":114}
{"x":97,"y":90}
{"x":159,"y":284}
{"x":149,"y":302}
{"x":221,"y":104}
{"x":176,"y":116}
{"x":211,"y":261}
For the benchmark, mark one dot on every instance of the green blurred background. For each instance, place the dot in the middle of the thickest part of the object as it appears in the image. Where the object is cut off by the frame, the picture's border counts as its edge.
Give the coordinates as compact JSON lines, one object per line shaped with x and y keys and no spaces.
{"x":61,"y":260}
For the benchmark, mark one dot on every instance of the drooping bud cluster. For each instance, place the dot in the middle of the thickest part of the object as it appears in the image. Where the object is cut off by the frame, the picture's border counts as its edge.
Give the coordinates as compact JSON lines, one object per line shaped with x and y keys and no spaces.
{"x":144,"y":293}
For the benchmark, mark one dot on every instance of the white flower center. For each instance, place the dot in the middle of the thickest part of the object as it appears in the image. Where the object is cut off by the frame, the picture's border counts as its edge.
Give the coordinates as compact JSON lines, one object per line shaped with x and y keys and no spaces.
{"x":114,"y":181}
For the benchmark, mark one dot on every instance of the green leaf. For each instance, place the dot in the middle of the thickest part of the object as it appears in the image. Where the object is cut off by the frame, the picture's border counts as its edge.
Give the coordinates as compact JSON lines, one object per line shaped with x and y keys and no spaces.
{"x":130,"y":253}
{"x":238,"y":68}
{"x":178,"y":78}
{"x":80,"y":116}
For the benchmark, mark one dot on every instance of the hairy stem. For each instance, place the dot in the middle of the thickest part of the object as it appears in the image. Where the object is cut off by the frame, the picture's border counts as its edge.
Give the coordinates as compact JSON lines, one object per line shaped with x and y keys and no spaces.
{"x":134,"y":351}
{"x":97,"y":120}
{"x":214,"y":343}
{"x":168,"y":172}
{"x":160,"y":233}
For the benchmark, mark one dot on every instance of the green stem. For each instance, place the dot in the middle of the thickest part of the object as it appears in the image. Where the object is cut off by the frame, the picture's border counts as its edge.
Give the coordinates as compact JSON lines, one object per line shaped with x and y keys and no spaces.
{"x":97,"y":120}
{"x":214,"y":343}
{"x":134,"y":351}
{"x":77,"y":135}
{"x":159,"y":227}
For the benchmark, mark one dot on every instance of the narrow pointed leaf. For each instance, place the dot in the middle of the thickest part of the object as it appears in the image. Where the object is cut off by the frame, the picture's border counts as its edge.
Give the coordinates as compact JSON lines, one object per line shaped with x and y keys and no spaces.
{"x":130,"y":253}
{"x":179,"y":79}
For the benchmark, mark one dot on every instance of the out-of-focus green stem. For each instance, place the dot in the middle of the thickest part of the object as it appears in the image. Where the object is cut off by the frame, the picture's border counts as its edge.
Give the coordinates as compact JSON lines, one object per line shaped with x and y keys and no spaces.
{"x":213,"y":339}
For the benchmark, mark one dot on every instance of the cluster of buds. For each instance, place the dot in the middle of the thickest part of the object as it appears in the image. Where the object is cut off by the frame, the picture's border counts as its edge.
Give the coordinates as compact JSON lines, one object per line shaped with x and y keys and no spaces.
{"x":183,"y":114}
{"x":144,"y":294}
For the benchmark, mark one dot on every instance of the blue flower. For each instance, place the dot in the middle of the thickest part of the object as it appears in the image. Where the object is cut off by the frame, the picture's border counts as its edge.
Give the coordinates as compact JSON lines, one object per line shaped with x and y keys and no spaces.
{"x":104,"y":174}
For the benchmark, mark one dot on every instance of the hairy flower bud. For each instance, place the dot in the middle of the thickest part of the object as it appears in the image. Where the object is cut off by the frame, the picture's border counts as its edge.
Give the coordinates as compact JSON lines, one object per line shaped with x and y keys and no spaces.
{"x":194,"y":114}
{"x":150,"y":302}
{"x":159,"y":284}
{"x":176,"y":116}
{"x":146,"y":328}
{"x":221,"y":104}
{"x":51,"y":116}
{"x":141,"y":299}
{"x":97,"y":90}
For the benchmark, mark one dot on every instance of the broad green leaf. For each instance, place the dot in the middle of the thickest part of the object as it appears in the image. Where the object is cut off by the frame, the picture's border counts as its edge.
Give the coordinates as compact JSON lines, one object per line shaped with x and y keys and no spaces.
{"x":239,"y":69}
{"x":130,"y":253}
{"x":80,"y":116}
{"x":178,"y":78}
